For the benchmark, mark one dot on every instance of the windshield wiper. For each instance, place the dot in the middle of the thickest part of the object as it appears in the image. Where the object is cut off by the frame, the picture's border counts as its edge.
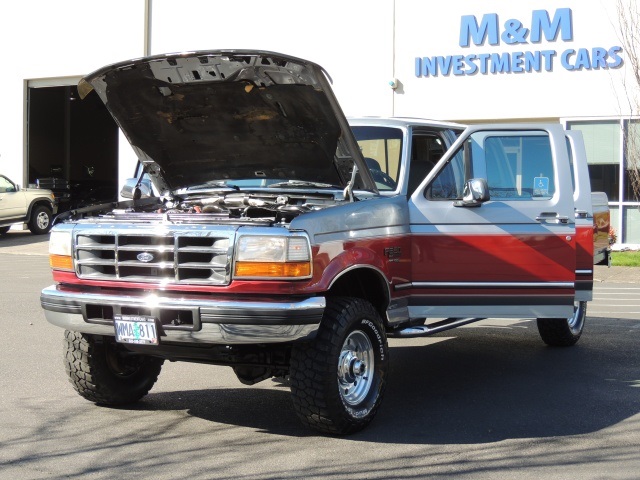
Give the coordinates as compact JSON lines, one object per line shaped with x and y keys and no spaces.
{"x":302,"y":183}
{"x":214,"y":183}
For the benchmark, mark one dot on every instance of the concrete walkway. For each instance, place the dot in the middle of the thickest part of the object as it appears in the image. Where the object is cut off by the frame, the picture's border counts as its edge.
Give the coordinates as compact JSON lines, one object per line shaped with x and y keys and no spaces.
{"x":603,"y":273}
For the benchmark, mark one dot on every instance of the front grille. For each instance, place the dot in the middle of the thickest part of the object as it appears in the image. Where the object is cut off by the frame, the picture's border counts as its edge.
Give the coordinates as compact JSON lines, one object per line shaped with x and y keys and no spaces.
{"x":177,"y":256}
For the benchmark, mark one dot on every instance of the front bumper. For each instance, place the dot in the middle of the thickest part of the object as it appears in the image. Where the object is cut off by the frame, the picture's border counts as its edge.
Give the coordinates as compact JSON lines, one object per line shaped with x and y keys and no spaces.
{"x":187,"y":319}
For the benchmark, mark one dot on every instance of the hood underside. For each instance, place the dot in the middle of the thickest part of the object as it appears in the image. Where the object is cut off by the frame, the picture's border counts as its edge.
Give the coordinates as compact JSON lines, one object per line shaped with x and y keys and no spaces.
{"x":199,"y":117}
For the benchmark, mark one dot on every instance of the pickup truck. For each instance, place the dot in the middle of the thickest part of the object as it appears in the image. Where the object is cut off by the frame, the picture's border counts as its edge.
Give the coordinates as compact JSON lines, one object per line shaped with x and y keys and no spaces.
{"x":257,"y":235}
{"x":33,"y":206}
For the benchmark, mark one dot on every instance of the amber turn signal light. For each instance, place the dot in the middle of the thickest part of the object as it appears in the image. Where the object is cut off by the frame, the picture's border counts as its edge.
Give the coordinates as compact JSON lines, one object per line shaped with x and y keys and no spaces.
{"x":273,"y":269}
{"x":60,"y":262}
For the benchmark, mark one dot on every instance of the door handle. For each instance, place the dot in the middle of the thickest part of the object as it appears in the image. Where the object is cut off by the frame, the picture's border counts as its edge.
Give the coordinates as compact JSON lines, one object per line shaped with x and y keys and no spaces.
{"x":552,"y":217}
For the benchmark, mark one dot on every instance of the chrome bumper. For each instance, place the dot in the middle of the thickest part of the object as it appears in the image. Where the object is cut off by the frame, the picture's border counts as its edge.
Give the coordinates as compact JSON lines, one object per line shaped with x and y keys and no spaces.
{"x":222,"y":322}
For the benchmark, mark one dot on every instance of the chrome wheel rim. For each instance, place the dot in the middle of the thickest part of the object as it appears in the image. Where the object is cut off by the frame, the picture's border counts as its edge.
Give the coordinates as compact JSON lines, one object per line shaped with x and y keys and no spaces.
{"x":577,"y":313}
{"x":42,"y":220}
{"x":355,"y":368}
{"x":576,"y":322}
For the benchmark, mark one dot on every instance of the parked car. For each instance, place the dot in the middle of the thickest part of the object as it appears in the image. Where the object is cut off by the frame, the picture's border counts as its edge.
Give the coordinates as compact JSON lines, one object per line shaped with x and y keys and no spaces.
{"x":33,"y":206}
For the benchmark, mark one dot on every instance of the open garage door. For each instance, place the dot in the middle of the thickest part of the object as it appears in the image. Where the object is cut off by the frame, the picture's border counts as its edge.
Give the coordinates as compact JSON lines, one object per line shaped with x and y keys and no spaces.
{"x":72,"y":146}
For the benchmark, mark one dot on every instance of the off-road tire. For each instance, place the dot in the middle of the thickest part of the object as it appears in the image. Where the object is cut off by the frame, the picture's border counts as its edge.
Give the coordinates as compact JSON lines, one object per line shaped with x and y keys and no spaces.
{"x":40,"y":221}
{"x":333,"y":386}
{"x":563,"y":332}
{"x":100,"y":373}
{"x":4,"y":230}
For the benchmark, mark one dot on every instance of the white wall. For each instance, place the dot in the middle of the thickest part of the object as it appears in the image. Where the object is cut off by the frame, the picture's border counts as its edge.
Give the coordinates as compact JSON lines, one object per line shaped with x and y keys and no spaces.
{"x":352,"y":40}
{"x":43,"y":39}
{"x":424,"y":31}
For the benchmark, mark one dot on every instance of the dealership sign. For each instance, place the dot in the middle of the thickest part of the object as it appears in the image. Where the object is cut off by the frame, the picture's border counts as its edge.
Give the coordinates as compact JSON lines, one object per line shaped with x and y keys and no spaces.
{"x":513,"y":32}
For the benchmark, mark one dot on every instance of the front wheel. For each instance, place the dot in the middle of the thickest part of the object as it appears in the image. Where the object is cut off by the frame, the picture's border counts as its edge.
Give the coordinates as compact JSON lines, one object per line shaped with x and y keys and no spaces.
{"x":563,"y":332}
{"x":101,"y":371}
{"x":4,"y":230}
{"x":40,"y":222}
{"x":338,"y":380}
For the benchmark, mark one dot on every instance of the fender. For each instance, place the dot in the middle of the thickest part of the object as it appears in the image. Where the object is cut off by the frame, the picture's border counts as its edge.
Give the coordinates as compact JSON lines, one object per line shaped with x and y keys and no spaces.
{"x":349,"y":260}
{"x":36,"y":202}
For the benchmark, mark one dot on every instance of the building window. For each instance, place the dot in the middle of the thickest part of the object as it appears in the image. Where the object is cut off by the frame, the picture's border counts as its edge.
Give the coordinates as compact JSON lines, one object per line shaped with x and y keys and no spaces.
{"x":602,"y":143}
{"x":613,"y":155}
{"x":631,"y":161}
{"x":632,"y":225}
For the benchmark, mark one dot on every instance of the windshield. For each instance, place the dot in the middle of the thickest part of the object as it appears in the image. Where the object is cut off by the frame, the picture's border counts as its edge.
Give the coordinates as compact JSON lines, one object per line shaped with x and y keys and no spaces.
{"x":382,"y":149}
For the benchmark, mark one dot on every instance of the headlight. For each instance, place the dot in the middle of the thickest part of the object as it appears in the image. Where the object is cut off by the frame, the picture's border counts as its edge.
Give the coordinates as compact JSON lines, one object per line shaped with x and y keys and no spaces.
{"x":60,"y":250}
{"x":264,"y":256}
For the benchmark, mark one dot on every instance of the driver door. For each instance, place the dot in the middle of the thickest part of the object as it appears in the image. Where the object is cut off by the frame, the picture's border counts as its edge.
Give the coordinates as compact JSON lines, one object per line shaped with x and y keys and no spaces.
{"x":511,"y":256}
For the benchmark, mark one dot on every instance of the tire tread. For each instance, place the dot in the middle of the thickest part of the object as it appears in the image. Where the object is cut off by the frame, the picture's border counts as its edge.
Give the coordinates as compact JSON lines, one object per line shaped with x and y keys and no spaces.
{"x":312,"y":377}
{"x":86,"y":368}
{"x":556,"y":332}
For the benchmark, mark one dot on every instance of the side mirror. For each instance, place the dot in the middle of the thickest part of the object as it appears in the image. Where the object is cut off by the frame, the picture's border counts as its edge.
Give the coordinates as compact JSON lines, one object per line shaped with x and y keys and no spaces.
{"x":131,"y":191}
{"x":476,"y":192}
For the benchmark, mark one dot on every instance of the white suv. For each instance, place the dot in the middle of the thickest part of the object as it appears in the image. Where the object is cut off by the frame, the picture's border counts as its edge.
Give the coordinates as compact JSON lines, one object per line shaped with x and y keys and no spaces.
{"x":33,"y":206}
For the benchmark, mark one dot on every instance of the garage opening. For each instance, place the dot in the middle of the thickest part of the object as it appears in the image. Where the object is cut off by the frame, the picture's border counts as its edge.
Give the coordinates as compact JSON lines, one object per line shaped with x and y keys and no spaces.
{"x":72,"y":146}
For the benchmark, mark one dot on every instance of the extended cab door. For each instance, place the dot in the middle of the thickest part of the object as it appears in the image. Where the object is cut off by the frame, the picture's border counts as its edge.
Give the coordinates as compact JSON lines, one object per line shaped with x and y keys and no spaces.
{"x":583,"y":214}
{"x":513,"y":255}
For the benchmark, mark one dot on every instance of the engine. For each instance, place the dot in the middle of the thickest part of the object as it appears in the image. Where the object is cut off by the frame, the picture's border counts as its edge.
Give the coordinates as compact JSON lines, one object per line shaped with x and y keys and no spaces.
{"x":235,"y":207}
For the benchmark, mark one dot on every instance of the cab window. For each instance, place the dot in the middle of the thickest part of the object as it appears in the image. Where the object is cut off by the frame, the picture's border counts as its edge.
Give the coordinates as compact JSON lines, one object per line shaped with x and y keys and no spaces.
{"x":519,"y":167}
{"x":6,"y":186}
{"x":382,"y":149}
{"x":449,"y":183}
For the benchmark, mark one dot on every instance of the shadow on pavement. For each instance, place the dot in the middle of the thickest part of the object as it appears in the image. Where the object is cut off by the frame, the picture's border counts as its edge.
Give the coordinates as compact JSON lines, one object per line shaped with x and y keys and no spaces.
{"x":23,"y":241}
{"x":482,"y":386}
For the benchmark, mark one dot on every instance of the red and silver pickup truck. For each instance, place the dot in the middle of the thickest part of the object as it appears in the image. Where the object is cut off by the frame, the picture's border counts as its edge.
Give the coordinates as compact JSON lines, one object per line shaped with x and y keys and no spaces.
{"x":263,"y":235}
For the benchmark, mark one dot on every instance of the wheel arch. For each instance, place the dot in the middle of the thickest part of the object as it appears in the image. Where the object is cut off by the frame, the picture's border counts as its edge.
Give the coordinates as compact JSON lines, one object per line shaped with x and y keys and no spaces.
{"x":43,"y":201}
{"x":365,"y":282}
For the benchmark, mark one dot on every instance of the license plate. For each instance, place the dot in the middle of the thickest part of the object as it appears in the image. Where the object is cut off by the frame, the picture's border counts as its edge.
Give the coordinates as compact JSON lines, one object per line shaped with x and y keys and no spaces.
{"x":139,"y":329}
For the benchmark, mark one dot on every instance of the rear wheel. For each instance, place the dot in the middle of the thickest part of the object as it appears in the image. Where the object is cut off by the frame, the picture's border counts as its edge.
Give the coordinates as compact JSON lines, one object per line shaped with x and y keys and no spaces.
{"x":338,"y":380}
{"x":101,"y":371}
{"x":563,"y":332}
{"x":4,"y":230}
{"x":40,"y":221}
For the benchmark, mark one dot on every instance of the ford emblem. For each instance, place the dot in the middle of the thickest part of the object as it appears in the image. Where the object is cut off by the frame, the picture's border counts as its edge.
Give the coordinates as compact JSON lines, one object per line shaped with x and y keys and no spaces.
{"x":145,"y":257}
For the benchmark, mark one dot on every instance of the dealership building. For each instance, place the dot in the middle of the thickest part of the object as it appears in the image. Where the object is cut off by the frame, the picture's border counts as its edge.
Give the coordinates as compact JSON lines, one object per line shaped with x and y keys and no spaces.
{"x":469,"y":62}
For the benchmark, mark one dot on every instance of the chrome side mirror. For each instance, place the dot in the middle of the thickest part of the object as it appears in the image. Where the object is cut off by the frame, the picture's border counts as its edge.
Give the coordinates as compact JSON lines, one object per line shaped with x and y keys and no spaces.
{"x":476,"y":192}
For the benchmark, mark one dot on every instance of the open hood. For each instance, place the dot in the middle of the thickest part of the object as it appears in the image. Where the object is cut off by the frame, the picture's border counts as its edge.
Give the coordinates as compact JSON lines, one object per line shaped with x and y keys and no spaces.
{"x":198,"y":117}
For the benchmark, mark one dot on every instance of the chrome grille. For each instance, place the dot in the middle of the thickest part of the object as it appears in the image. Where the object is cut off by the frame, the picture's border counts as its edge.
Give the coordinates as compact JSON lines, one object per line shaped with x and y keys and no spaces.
{"x":176,"y":255}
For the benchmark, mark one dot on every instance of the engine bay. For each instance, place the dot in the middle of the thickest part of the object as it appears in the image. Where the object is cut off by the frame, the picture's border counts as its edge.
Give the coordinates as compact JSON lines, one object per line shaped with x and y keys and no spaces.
{"x":235,"y":207}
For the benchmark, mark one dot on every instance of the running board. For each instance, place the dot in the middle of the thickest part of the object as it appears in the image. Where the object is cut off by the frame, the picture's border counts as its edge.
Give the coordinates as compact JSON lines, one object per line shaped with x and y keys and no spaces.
{"x":441,"y":326}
